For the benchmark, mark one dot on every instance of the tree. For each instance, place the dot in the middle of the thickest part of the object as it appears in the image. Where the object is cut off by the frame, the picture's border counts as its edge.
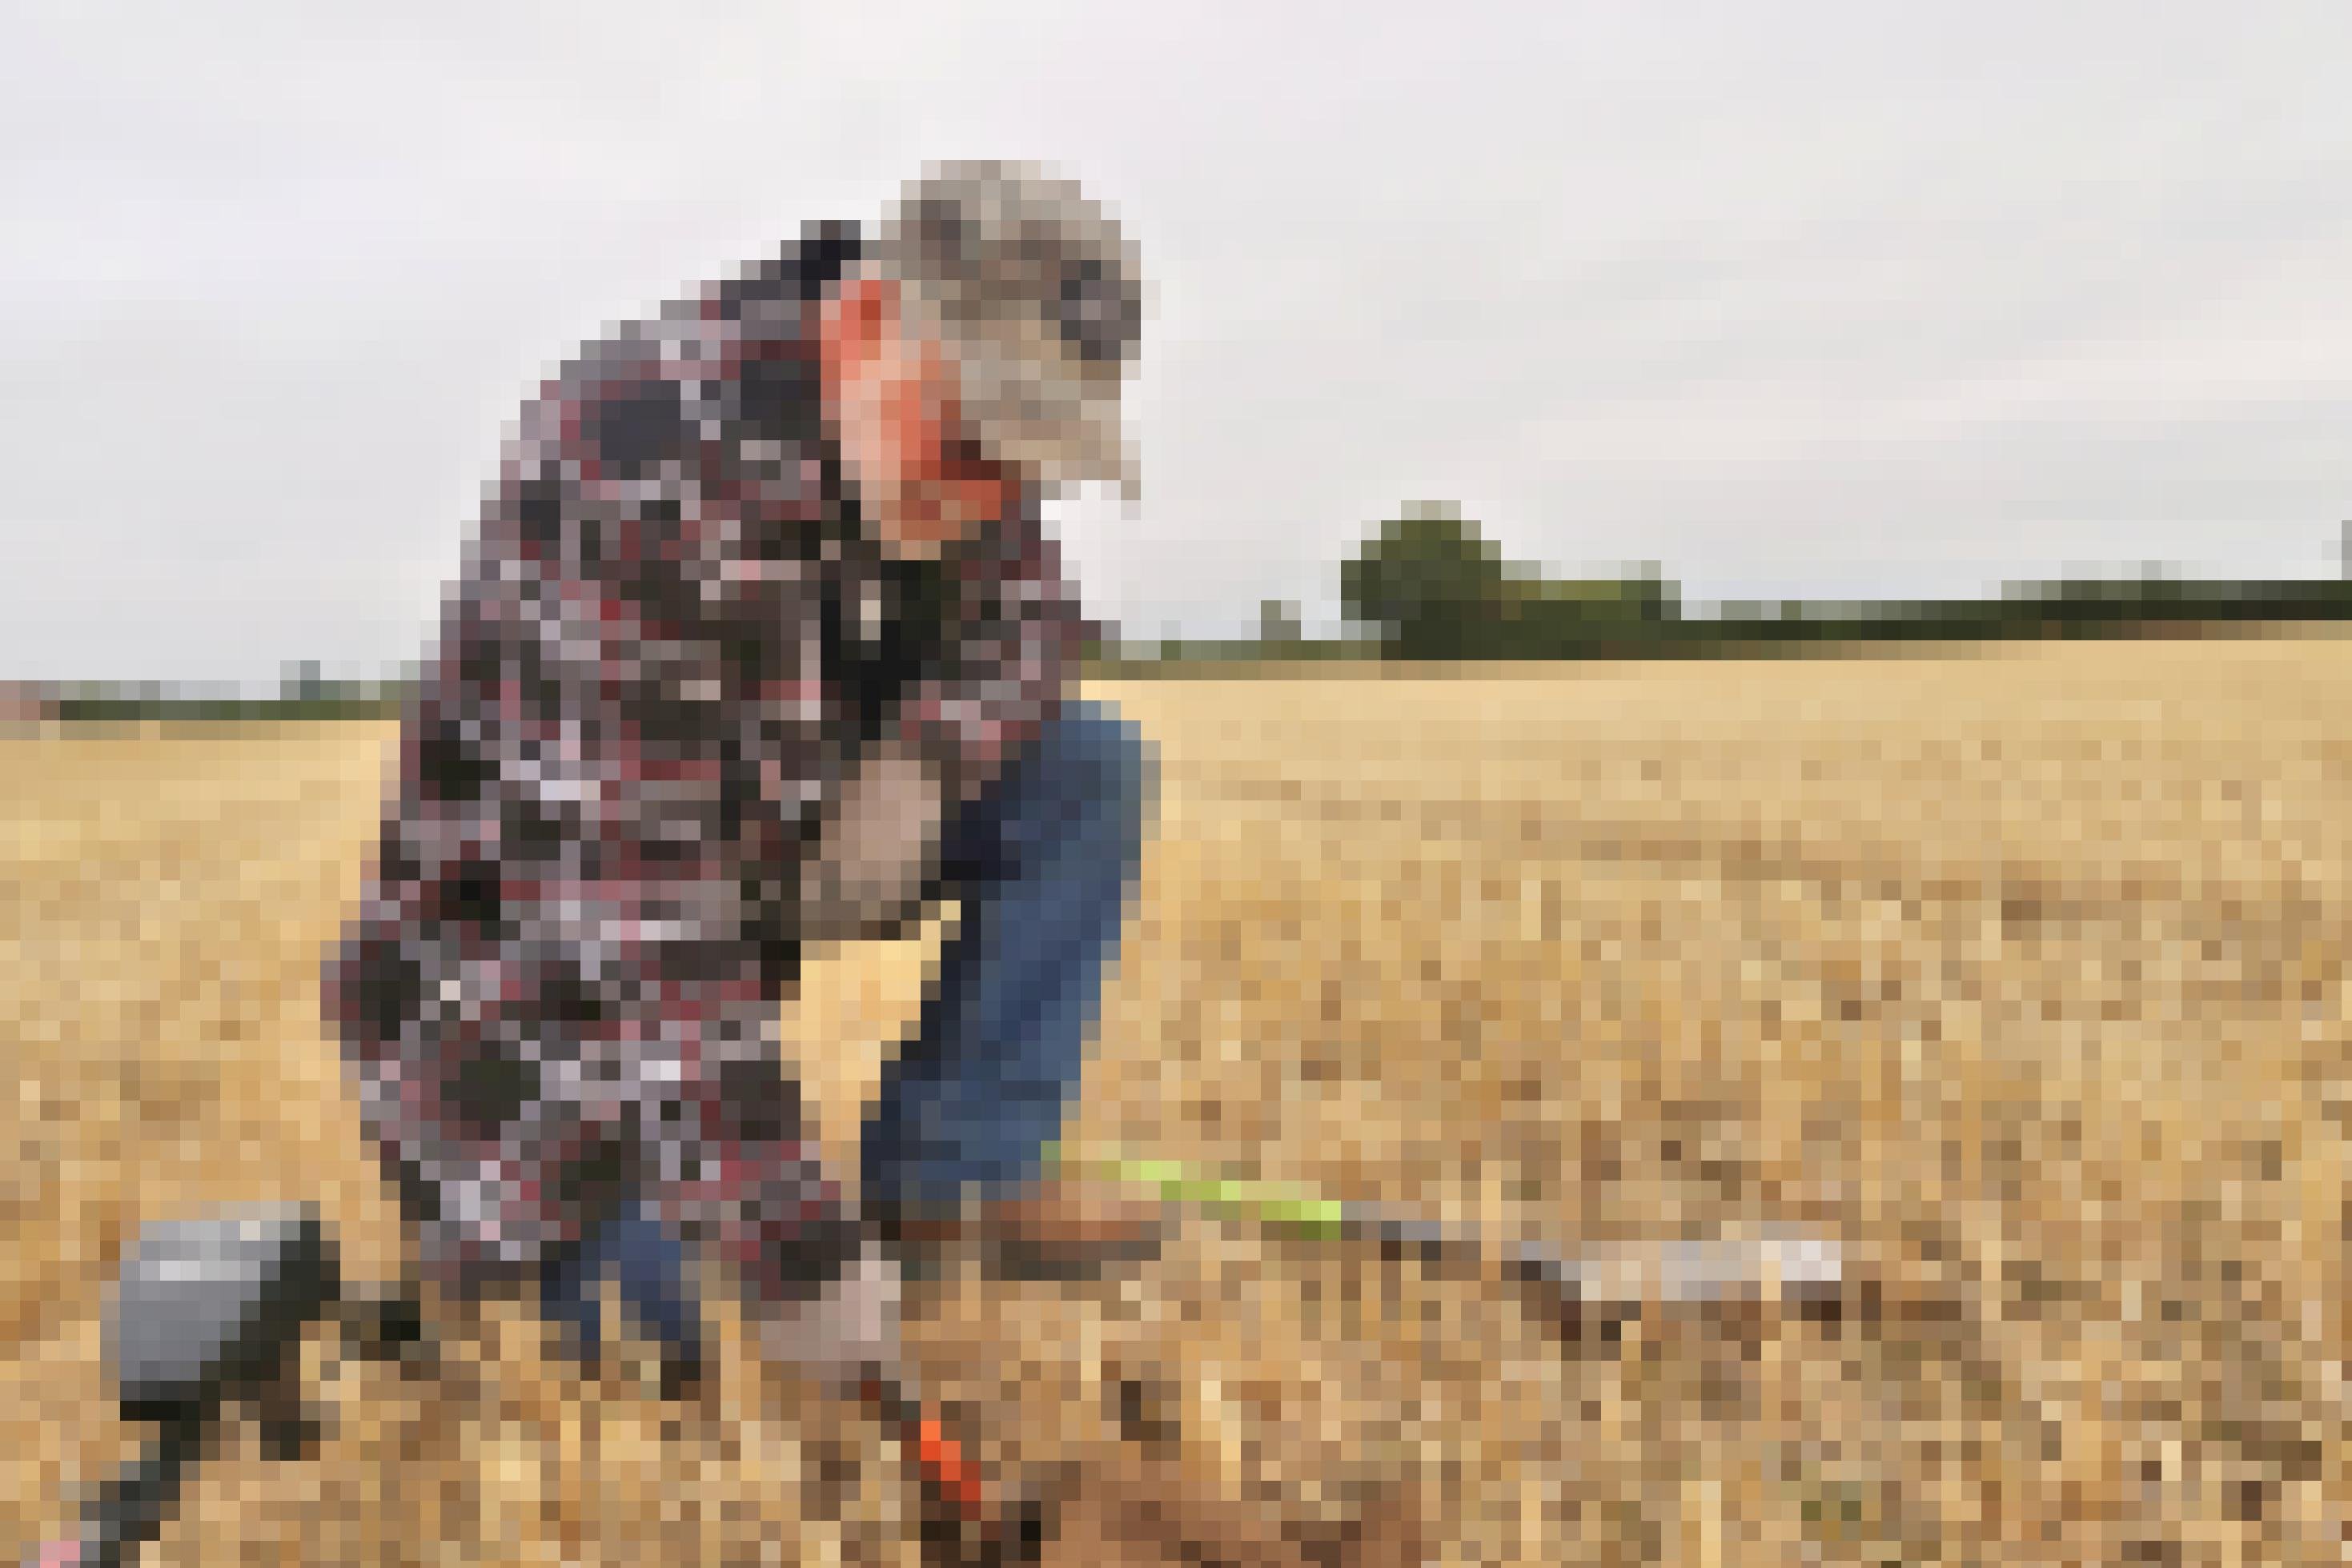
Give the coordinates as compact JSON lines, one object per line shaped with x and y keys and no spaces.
{"x":1428,"y":583}
{"x":1277,"y":624}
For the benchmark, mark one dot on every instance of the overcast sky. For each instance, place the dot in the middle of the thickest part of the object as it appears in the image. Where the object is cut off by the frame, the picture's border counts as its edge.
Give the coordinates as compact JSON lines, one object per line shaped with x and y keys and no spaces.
{"x":1790,"y":298}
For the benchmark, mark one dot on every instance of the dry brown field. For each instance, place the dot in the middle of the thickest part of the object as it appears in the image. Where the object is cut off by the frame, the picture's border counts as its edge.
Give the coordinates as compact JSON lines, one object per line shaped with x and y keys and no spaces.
{"x":2023,"y":974}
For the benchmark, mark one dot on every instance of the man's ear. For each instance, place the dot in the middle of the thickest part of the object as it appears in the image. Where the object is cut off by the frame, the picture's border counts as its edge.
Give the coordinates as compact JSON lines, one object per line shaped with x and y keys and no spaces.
{"x":853,"y":322}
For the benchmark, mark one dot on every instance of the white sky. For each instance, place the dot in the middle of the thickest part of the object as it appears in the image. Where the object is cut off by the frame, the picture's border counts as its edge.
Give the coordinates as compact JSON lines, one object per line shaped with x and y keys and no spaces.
{"x":1791,"y":299}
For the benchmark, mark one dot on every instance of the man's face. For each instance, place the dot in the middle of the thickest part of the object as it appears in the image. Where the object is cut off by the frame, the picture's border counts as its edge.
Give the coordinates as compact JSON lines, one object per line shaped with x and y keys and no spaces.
{"x":890,"y":397}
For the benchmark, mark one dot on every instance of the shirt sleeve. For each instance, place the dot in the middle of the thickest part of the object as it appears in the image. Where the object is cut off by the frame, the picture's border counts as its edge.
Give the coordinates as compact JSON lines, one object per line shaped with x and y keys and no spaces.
{"x":1014,"y":639}
{"x":556,"y":993}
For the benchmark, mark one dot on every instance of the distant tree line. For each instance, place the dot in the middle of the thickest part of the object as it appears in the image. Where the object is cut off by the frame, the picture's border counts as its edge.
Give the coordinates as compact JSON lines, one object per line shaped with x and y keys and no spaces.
{"x":302,"y":694}
{"x":1428,"y":585}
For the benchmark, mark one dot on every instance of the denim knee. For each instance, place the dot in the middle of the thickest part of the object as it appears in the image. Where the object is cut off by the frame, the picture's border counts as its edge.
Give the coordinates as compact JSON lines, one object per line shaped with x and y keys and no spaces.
{"x":1088,"y":774}
{"x":1102,"y":759}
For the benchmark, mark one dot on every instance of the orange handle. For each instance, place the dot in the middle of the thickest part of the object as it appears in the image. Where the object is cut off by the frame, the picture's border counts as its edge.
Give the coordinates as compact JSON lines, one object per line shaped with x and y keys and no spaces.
{"x":939,"y":1458}
{"x":942,"y":1461}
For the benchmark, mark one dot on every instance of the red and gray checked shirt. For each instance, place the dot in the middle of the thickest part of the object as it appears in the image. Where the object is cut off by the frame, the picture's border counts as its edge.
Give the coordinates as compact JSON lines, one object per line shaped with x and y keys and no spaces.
{"x":667,"y":650}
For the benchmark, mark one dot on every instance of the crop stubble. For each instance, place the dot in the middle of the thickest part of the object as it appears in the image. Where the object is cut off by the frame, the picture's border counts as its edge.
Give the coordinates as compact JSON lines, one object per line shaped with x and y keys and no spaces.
{"x":2022,"y":973}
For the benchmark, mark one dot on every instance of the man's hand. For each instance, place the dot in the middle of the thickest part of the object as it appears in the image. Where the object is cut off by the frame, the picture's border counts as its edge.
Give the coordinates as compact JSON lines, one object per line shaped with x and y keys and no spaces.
{"x":879,"y":851}
{"x":847,"y":1330}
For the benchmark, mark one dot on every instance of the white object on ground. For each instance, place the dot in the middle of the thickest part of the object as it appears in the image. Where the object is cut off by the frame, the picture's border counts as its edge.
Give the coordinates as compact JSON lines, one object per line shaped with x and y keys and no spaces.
{"x":852,"y":1325}
{"x":1693,"y":1272}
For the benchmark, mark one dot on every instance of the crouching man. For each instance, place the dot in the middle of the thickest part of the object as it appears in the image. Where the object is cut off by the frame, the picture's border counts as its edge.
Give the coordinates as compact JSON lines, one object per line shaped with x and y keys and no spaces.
{"x":760,"y":646}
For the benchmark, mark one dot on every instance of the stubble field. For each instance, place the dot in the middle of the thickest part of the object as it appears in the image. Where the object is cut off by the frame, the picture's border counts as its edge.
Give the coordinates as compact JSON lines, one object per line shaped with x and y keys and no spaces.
{"x":2023,"y":975}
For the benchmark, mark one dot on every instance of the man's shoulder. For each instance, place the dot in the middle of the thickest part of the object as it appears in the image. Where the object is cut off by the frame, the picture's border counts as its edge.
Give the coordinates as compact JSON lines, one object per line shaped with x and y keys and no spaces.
{"x":733,"y":350}
{"x":702,"y":422}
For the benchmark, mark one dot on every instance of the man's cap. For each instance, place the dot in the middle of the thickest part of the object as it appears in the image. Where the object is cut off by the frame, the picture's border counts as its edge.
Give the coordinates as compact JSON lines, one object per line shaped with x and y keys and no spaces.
{"x":1038,"y":296}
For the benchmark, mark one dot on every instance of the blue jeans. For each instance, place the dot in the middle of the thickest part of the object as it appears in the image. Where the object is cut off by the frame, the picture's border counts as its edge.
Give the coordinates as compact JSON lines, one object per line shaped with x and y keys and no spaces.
{"x":1044,"y":863}
{"x":652,"y":1266}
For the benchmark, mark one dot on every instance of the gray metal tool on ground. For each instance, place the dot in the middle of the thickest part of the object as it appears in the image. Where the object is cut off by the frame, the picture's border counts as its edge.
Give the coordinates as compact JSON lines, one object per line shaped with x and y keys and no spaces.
{"x":208,"y":1313}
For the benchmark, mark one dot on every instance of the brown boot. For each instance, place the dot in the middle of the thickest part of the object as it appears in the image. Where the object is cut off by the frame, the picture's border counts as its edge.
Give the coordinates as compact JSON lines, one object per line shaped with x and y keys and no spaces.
{"x":1065,"y":1228}
{"x":1057,"y":1228}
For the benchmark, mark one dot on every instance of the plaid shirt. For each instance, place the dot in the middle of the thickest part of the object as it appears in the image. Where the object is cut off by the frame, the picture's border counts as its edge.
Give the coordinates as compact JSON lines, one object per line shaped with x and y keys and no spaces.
{"x":668,"y":649}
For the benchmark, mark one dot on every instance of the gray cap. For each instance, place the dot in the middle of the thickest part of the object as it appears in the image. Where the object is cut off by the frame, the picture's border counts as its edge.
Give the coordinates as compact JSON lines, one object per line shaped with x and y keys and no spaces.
{"x":1038,"y":297}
